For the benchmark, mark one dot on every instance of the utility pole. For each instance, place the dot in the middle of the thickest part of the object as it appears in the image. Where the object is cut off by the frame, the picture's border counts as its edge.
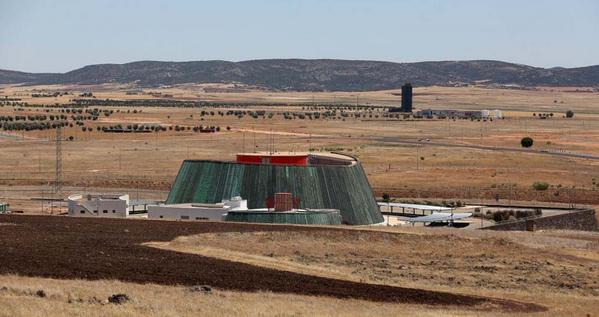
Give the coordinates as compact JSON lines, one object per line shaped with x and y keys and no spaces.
{"x":481,"y":216}
{"x":271,"y":142}
{"x":254,"y":134}
{"x":58,"y":177}
{"x":417,"y":156}
{"x":42,"y":200}
{"x":481,"y":130}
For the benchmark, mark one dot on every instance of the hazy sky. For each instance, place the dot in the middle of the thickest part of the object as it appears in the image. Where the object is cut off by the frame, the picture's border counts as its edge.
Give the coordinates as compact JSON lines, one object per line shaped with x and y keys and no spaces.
{"x":61,"y":35}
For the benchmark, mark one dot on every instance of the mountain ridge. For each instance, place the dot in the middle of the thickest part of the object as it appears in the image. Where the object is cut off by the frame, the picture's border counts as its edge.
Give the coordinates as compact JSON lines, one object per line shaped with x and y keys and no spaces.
{"x":314,"y":74}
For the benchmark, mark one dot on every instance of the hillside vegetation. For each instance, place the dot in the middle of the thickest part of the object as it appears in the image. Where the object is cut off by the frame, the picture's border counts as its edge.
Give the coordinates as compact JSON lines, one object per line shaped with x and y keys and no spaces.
{"x":315,"y":75}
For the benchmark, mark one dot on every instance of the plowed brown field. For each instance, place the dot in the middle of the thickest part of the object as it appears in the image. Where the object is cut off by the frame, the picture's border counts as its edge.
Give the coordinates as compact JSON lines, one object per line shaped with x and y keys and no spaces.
{"x":72,"y":248}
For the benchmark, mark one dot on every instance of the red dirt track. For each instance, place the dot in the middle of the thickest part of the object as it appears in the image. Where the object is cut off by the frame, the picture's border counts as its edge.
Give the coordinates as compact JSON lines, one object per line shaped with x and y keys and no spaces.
{"x":77,"y":248}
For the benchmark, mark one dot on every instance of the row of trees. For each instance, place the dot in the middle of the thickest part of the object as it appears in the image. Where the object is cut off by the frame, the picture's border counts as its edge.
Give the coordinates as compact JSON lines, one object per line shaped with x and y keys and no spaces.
{"x":312,"y":115}
{"x":568,"y":114}
{"x":33,"y":118}
{"x":37,"y":125}
{"x":209,"y":104}
{"x":154,"y":128}
{"x":52,"y":121}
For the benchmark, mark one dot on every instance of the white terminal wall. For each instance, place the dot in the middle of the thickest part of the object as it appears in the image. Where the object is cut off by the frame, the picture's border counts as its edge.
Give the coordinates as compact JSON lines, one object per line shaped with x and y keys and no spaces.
{"x":186,"y":212}
{"x":213,"y":212}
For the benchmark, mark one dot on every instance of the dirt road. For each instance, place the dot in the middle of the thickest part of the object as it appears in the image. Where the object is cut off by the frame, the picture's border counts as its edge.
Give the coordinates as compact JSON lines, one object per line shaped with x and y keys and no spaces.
{"x":488,"y":148}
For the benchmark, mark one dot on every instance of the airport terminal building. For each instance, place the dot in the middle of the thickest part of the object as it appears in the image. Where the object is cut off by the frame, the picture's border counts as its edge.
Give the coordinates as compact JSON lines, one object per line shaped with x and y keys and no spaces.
{"x":316,"y":181}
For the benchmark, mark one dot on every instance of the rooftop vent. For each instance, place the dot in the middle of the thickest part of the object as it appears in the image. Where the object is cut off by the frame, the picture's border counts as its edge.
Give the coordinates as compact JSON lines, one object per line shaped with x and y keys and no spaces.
{"x":283,"y":202}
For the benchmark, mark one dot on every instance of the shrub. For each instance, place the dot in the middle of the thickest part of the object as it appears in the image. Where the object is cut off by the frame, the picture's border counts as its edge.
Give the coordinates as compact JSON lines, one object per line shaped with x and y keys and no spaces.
{"x":386,"y":197}
{"x":569,"y":114}
{"x":540,"y":185}
{"x":498,"y":216}
{"x":527,"y":142}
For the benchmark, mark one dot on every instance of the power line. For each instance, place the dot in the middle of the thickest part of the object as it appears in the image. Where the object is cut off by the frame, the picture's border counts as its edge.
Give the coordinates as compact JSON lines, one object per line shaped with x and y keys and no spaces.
{"x":58,"y":179}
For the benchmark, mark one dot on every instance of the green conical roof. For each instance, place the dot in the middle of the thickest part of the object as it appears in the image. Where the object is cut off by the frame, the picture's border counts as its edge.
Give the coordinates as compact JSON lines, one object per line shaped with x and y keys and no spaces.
{"x":342,"y":187}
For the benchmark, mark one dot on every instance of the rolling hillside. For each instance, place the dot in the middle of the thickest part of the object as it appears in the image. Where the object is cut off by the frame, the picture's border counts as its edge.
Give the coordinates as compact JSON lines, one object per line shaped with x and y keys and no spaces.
{"x":314,"y":75}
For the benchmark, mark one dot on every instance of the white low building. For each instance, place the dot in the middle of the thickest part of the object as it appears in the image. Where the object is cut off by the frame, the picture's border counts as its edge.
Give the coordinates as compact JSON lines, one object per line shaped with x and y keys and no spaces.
{"x":492,"y":114}
{"x":99,"y":205}
{"x":196,"y":211}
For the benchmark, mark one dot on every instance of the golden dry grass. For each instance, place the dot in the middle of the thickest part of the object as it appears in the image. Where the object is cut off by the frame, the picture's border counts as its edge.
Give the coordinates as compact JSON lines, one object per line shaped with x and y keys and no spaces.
{"x":89,"y":298}
{"x":151,"y":161}
{"x":557,"y":269}
{"x":108,"y":162}
{"x":463,"y":259}
{"x":538,"y":99}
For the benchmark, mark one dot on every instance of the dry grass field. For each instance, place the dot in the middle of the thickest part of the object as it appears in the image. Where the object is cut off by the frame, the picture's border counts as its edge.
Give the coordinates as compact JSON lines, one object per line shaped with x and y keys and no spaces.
{"x":552,"y":273}
{"x":411,"y":159}
{"x":105,"y":250}
{"x":540,"y":99}
{"x":395,"y":160}
{"x":89,"y":298}
{"x":415,"y":256}
{"x":557,"y":269}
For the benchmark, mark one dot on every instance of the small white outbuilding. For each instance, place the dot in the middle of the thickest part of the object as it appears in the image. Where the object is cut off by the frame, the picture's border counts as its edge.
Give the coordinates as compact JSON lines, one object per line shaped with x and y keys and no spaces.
{"x":99,"y":205}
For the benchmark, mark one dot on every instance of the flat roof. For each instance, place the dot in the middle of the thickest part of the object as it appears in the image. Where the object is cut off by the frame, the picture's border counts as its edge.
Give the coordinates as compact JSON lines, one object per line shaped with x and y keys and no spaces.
{"x":440,"y":216}
{"x":195,"y":205}
{"x":137,"y":202}
{"x":293,"y":211}
{"x":414,"y":206}
{"x":321,"y":154}
{"x":275,"y":153}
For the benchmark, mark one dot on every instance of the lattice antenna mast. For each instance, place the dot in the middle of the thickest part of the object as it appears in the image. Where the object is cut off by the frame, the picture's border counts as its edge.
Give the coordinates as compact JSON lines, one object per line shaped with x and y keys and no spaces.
{"x":58,"y":179}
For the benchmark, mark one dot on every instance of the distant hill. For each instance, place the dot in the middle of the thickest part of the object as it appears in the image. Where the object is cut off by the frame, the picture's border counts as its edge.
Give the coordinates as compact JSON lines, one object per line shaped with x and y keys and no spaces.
{"x":315,"y":75}
{"x":13,"y":77}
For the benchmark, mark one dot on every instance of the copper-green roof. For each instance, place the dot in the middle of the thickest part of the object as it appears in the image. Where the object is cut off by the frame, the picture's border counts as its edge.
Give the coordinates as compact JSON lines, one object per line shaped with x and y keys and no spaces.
{"x":342,"y":187}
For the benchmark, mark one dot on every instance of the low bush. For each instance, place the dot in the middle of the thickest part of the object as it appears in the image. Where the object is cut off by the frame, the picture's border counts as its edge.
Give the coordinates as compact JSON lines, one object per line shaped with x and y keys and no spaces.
{"x":540,"y":185}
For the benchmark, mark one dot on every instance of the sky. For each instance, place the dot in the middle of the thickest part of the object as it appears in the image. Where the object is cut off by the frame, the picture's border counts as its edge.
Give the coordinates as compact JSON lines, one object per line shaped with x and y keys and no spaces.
{"x":62,"y":35}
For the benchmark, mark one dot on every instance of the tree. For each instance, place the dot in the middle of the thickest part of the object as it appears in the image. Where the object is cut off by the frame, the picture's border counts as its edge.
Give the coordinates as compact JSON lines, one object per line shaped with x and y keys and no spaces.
{"x":526,"y":142}
{"x":569,"y":114}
